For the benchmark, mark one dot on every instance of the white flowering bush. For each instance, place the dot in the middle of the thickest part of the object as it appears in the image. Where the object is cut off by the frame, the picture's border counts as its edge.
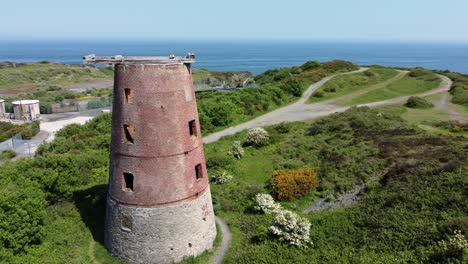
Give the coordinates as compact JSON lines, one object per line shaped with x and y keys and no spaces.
{"x":237,"y":150}
{"x":257,"y":136}
{"x":291,"y":228}
{"x":266,"y":204}
{"x":456,"y":245}
{"x":222,"y":178}
{"x":287,"y":226}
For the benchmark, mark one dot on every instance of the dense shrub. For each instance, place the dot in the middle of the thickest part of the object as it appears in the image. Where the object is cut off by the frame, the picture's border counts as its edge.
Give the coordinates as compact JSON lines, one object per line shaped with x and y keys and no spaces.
{"x":318,"y":94}
{"x":7,"y":154}
{"x":287,"y":185}
{"x":222,"y":177}
{"x":454,"y":249}
{"x":266,"y":204}
{"x":418,"y":72}
{"x":237,"y":151}
{"x":459,"y":89}
{"x":257,"y":137}
{"x":287,"y":226}
{"x":339,"y":66}
{"x":293,"y":86}
{"x":28,"y":130}
{"x":219,"y":161}
{"x":291,"y":228}
{"x":369,"y":73}
{"x":418,"y":102}
{"x":22,"y":212}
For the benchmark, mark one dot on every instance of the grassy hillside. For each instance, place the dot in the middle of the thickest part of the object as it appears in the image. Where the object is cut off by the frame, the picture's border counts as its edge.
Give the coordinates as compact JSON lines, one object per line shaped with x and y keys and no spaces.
{"x":52,"y":208}
{"x":346,"y":84}
{"x":400,"y":218}
{"x":213,"y":78}
{"x":459,"y":89}
{"x":419,"y":82}
{"x":37,"y":75}
{"x":277,"y":87}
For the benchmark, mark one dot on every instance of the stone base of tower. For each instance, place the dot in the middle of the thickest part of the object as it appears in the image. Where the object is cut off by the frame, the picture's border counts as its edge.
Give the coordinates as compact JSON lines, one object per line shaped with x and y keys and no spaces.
{"x":164,"y":234}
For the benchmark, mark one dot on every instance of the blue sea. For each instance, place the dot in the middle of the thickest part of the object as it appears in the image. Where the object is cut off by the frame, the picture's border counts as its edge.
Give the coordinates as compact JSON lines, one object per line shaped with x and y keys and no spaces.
{"x":253,"y":56}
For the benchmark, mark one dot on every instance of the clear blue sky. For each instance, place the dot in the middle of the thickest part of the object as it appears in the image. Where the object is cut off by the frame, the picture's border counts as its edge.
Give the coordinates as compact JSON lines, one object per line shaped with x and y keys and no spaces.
{"x":399,"y":20}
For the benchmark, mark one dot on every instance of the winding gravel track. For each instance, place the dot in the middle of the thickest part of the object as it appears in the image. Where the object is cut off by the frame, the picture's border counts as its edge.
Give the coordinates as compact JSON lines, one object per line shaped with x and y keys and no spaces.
{"x":226,"y":241}
{"x":300,"y":111}
{"x":293,"y":112}
{"x":444,"y":104}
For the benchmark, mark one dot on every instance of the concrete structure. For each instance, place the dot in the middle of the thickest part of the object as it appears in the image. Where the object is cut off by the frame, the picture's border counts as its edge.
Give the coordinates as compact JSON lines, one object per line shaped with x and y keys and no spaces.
{"x":2,"y":108}
{"x":159,"y":207}
{"x":27,"y":110}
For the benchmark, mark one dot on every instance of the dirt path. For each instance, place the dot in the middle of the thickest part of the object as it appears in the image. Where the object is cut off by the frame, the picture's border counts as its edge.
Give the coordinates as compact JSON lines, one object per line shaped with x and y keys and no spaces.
{"x":300,"y":111}
{"x":345,"y":100}
{"x":98,"y":84}
{"x":444,"y":104}
{"x":292,"y":112}
{"x":444,"y":86}
{"x":226,"y":241}
{"x":345,"y":199}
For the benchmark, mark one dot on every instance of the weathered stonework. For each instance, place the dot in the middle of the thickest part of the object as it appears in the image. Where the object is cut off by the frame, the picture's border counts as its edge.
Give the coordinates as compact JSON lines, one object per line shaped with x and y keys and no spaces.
{"x":164,"y":234}
{"x":159,"y":207}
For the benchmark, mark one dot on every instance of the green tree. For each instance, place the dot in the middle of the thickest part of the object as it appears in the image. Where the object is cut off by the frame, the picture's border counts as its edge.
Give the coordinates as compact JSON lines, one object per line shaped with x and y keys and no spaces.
{"x":22,"y":212}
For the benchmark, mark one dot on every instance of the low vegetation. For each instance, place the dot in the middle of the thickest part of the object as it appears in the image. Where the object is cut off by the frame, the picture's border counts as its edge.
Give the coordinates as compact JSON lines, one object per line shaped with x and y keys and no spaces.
{"x":418,"y":102}
{"x":53,"y":205}
{"x":401,"y":217}
{"x":417,"y":81}
{"x":35,"y":75}
{"x":7,"y":154}
{"x":277,"y":87}
{"x":27,"y":130}
{"x":292,"y":184}
{"x":346,"y":84}
{"x":215,"y":78}
{"x":459,"y":89}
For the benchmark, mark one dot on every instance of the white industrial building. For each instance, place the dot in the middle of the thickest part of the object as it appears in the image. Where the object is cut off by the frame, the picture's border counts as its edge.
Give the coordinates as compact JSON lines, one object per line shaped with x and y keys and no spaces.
{"x":2,"y":108}
{"x":27,"y":110}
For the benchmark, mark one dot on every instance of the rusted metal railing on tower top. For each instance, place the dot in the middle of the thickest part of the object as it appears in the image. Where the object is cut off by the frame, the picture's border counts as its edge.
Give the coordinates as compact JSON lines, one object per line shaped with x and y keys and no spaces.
{"x":92,"y":59}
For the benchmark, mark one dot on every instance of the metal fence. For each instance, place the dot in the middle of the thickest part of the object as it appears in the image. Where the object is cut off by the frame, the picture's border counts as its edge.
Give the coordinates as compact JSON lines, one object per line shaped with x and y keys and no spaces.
{"x":6,"y":145}
{"x":77,"y":106}
{"x":20,"y":146}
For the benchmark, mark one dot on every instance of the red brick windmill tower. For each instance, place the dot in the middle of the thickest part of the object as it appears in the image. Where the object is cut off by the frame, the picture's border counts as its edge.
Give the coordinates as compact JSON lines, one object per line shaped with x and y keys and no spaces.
{"x":159,"y":206}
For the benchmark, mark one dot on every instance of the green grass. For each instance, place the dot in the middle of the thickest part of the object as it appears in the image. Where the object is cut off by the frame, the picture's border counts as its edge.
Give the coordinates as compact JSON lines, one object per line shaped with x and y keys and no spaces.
{"x":37,"y":74}
{"x":200,"y":75}
{"x":385,"y":228}
{"x":426,"y":119}
{"x":405,"y":86}
{"x":349,"y":83}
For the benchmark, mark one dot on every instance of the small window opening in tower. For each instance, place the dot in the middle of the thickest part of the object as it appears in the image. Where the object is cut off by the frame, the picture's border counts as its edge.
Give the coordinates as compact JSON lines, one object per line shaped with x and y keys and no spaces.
{"x":198,"y":171}
{"x":128,"y":96}
{"x":127,"y":224}
{"x":192,"y":128}
{"x":128,"y":182}
{"x":128,"y":131}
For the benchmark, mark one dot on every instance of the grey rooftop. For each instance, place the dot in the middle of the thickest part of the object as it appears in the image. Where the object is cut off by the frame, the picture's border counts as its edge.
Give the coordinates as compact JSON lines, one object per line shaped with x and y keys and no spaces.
{"x":92,"y":59}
